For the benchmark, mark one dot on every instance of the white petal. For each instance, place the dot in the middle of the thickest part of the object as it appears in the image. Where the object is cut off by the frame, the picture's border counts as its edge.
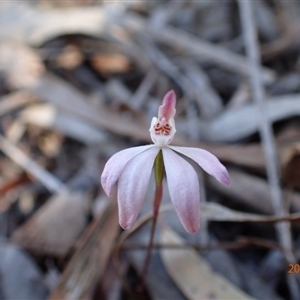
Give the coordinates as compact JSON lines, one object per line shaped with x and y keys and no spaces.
{"x":184,"y":191}
{"x":207,"y":161}
{"x":132,"y":186}
{"x":116,"y":164}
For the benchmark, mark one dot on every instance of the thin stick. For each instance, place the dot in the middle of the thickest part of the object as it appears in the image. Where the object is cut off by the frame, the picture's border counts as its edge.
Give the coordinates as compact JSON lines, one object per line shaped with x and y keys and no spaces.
{"x":19,"y":157}
{"x":283,"y":228}
{"x":243,"y":242}
{"x":178,"y":39}
{"x":139,"y":97}
{"x":166,"y":65}
{"x":14,"y":100}
{"x":126,"y":234}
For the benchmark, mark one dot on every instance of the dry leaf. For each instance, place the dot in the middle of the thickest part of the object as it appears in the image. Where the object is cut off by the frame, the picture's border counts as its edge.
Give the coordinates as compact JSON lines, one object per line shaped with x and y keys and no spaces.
{"x":237,"y":123}
{"x":48,"y":116}
{"x":55,"y":227}
{"x":20,"y":276}
{"x":217,"y":212}
{"x":193,"y":45}
{"x":192,"y":274}
{"x":55,"y":91}
{"x":108,"y":64}
{"x":90,"y":260}
{"x":21,"y":65}
{"x":251,"y":191}
{"x":33,"y":26}
{"x":14,"y":101}
{"x":291,"y":165}
{"x":30,"y":166}
{"x":70,"y":58}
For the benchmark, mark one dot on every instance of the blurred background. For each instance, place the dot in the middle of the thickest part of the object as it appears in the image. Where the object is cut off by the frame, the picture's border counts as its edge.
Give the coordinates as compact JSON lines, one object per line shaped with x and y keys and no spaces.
{"x":81,"y":80}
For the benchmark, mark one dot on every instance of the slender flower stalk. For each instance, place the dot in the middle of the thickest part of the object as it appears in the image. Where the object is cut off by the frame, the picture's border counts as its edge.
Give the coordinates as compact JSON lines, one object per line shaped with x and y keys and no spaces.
{"x":159,"y":175}
{"x":132,"y":169}
{"x":156,"y":204}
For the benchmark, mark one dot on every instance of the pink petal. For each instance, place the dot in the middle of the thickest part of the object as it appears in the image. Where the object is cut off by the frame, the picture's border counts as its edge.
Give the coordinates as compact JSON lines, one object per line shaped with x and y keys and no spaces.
{"x":132,"y":186}
{"x":207,"y":161}
{"x":115,"y":166}
{"x":167,"y":109}
{"x":184,"y":189}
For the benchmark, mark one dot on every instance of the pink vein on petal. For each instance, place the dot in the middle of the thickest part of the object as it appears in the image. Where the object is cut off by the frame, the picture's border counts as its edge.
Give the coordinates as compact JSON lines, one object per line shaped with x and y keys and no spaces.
{"x":184,"y":189}
{"x":132,"y":186}
{"x":207,"y":161}
{"x":116,"y":164}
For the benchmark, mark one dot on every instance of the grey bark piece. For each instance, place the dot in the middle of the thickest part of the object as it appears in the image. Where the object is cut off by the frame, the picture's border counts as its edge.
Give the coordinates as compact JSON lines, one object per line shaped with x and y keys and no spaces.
{"x":254,"y":285}
{"x":20,"y":277}
{"x":223,"y":263}
{"x":272,"y":264}
{"x":265,"y":20}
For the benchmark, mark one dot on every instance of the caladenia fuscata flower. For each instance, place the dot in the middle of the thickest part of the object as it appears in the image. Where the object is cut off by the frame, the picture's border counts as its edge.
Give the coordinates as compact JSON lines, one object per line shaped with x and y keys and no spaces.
{"x":132,"y":169}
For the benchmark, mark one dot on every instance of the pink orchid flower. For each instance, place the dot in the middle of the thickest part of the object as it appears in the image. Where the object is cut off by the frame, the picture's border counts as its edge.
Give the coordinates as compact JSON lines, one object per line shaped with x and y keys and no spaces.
{"x":132,"y":169}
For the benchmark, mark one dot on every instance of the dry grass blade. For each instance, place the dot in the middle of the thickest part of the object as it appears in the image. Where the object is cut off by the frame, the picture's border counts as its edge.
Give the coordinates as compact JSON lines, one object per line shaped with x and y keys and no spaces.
{"x":143,"y":90}
{"x":193,"y":45}
{"x":163,"y":63}
{"x":14,"y":100}
{"x":66,"y":212}
{"x":30,"y":166}
{"x":21,"y":64}
{"x":238,"y":123}
{"x":192,"y":274}
{"x":220,"y":213}
{"x":34,"y":26}
{"x":243,"y":155}
{"x":56,"y":91}
{"x":251,"y":191}
{"x":208,"y":99}
{"x":239,"y":244}
{"x":81,"y":80}
{"x":48,"y":116}
{"x":283,"y":228}
{"x":217,"y":212}
{"x":89,"y":262}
